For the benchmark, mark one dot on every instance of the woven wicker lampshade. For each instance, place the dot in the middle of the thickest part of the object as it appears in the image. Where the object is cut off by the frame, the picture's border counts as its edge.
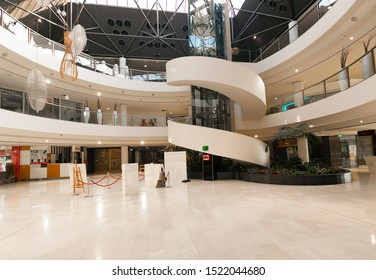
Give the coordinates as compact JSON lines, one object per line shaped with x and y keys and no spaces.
{"x":68,"y":67}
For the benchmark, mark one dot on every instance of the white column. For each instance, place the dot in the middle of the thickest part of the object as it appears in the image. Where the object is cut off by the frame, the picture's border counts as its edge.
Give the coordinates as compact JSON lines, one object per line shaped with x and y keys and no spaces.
{"x":123,"y":108}
{"x":293,"y":30}
{"x":124,"y":154}
{"x":227,"y":32}
{"x":298,"y":93}
{"x":303,"y":151}
{"x":122,"y":64}
{"x":115,"y":70}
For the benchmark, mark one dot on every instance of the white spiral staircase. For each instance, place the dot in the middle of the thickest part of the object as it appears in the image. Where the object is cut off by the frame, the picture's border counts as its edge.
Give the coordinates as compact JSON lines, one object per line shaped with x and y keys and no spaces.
{"x":241,"y":85}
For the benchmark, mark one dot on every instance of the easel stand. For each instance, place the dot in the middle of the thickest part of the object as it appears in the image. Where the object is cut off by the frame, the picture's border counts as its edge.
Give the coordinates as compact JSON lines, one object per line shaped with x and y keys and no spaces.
{"x":77,"y":179}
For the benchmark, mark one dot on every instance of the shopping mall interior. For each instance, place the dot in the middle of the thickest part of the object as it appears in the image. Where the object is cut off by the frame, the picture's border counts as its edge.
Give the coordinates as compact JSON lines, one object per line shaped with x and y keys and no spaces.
{"x":107,"y":84}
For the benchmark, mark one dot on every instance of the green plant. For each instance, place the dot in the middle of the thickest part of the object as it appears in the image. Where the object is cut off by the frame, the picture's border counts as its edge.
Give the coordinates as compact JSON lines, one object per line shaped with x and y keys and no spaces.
{"x":292,"y":134}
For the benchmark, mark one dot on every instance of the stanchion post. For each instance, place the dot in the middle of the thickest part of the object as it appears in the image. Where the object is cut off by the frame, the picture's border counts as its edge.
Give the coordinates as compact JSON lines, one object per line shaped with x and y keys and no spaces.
{"x":88,"y":188}
{"x":108,"y":183}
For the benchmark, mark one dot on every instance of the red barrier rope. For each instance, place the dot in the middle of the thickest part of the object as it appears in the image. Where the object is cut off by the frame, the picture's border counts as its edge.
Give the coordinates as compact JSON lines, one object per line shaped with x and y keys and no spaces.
{"x":113,"y":177}
{"x":97,"y":182}
{"x":100,"y":185}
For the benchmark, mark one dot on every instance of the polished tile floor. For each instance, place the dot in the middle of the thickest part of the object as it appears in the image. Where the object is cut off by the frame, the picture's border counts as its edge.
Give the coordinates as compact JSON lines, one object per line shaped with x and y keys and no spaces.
{"x":196,"y":220}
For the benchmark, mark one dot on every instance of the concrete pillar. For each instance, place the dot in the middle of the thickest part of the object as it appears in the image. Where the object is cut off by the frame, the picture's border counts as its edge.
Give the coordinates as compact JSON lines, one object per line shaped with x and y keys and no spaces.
{"x":303,"y":151}
{"x":122,"y":65}
{"x":293,"y":31}
{"x":227,"y":31}
{"x":124,"y":154}
{"x":298,"y":93}
{"x":123,"y":110}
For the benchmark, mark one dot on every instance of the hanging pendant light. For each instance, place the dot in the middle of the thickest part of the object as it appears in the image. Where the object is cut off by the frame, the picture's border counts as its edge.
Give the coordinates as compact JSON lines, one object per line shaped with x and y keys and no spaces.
{"x":37,"y":90}
{"x":68,"y":67}
{"x":79,"y":39}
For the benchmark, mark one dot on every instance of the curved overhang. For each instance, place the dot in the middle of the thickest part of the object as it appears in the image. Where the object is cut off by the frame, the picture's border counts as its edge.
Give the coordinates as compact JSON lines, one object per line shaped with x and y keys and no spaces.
{"x":239,"y":83}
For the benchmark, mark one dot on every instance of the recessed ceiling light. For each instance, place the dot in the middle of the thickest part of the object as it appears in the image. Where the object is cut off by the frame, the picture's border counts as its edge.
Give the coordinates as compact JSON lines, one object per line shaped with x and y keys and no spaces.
{"x":46,"y":141}
{"x":142,"y":142}
{"x":275,"y":98}
{"x":145,"y":66}
{"x":361,"y":121}
{"x":99,"y":93}
{"x":39,"y":20}
{"x":351,"y":38}
{"x":48,"y":81}
{"x":296,"y":70}
{"x":254,"y":37}
{"x":256,"y":136}
{"x":99,"y":142}
{"x":311,"y":125}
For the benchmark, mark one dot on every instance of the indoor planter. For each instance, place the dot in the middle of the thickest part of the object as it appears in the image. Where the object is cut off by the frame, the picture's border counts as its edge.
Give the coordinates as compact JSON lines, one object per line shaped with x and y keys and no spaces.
{"x":368,"y":66}
{"x":343,"y":75}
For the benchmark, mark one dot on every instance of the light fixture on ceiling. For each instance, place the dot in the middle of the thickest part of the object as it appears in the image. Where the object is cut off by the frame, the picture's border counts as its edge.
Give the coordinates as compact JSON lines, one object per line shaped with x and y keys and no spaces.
{"x":99,"y":93}
{"x":142,"y":142}
{"x":361,"y":121}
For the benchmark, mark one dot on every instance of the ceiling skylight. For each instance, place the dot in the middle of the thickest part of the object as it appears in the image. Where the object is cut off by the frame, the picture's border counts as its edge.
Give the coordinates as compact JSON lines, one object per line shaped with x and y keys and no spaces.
{"x":166,"y":5}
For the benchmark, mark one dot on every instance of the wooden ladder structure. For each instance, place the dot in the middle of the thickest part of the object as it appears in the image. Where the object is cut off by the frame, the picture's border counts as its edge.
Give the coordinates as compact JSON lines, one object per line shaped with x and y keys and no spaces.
{"x":77,"y":178}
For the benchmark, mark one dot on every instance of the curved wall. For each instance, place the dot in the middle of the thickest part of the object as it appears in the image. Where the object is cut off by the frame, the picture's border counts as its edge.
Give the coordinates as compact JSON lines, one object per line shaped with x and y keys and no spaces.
{"x":320,"y":31}
{"x":220,"y":142}
{"x":353,"y":103}
{"x":240,"y":84}
{"x":31,"y":129}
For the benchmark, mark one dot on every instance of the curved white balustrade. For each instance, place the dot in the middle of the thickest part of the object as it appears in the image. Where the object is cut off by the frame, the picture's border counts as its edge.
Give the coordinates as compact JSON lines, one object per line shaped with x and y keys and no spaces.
{"x":221,"y":143}
{"x":31,"y":129}
{"x":239,"y":83}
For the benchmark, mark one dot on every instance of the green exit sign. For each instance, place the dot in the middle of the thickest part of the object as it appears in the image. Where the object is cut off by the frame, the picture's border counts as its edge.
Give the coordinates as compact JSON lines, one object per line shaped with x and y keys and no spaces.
{"x":205,"y":148}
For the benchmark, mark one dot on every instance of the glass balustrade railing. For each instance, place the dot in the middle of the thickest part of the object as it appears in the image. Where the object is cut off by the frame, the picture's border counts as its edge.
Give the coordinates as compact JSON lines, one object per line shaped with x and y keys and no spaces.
{"x":356,"y":72}
{"x":83,"y":60}
{"x":67,"y":110}
{"x":304,"y":23}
